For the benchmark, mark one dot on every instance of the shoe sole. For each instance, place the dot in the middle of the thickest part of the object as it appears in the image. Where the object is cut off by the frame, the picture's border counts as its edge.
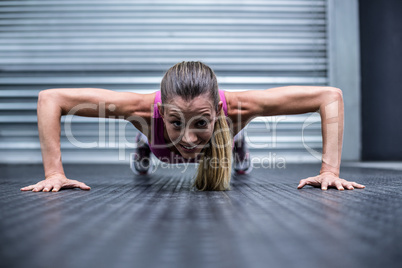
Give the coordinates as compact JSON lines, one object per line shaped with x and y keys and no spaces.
{"x":137,"y":172}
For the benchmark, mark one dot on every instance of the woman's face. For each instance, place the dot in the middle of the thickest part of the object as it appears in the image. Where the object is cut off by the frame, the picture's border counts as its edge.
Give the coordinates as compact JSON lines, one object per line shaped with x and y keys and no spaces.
{"x":189,"y":124}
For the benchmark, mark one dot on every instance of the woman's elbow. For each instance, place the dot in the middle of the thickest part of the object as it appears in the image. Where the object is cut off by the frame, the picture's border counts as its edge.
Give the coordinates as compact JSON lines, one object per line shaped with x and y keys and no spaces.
{"x":48,"y":95}
{"x":43,"y":96}
{"x":333,"y":93}
{"x":331,"y":100}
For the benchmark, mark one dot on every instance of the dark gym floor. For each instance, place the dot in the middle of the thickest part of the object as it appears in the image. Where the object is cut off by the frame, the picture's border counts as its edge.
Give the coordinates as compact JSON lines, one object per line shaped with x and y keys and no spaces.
{"x":159,"y":221}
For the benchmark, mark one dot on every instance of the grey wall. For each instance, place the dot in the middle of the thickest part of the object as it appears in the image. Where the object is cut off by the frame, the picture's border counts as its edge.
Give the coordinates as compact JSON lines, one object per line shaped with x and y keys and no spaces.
{"x":128,"y":46}
{"x":344,"y":69}
{"x":381,"y":79}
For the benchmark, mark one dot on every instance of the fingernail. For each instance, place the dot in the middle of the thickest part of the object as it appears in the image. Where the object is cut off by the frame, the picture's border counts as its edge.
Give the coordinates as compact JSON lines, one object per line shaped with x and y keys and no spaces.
{"x":45,"y":190}
{"x":324,"y":188}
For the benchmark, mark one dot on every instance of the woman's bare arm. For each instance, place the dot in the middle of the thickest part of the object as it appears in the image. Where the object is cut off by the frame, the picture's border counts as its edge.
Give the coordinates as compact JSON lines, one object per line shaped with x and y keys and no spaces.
{"x":303,"y":99}
{"x":90,"y":102}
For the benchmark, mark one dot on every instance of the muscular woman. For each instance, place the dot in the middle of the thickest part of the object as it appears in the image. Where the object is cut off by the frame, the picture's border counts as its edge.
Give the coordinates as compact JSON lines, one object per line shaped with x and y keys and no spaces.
{"x":192,"y":120}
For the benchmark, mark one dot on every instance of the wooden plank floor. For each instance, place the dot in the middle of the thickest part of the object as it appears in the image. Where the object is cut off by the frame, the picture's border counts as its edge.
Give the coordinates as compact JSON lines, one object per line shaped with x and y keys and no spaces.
{"x":159,"y":221}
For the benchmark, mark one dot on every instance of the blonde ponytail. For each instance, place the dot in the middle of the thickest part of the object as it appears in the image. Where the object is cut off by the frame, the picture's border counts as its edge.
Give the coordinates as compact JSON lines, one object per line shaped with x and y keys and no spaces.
{"x":215,"y":166}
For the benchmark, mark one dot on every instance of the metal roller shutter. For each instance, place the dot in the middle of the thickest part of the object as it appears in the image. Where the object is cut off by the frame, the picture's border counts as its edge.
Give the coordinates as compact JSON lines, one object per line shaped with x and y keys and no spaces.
{"x":128,"y":45}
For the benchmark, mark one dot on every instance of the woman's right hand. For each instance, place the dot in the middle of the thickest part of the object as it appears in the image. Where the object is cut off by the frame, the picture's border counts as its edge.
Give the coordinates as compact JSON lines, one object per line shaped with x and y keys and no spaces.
{"x":54,"y":183}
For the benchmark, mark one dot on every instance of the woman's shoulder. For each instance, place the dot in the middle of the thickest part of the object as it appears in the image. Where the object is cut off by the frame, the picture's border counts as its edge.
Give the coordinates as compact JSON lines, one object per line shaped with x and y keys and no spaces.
{"x":144,"y":104}
{"x":142,"y":113}
{"x":240,"y":106}
{"x":241,"y":100}
{"x":235,"y":101}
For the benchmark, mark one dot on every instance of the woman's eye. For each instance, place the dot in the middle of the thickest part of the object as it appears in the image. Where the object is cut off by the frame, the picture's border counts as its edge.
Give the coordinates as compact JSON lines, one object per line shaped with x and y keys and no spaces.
{"x":176,"y":123}
{"x":202,"y":123}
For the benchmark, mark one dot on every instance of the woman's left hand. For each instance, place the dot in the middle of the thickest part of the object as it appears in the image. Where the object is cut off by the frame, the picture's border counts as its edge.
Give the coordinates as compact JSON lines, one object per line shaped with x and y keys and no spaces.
{"x":329,"y":179}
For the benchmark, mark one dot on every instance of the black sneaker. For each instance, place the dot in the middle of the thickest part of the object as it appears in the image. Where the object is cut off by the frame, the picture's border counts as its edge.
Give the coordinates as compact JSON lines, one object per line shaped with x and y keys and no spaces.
{"x":140,"y":161}
{"x":241,"y":157}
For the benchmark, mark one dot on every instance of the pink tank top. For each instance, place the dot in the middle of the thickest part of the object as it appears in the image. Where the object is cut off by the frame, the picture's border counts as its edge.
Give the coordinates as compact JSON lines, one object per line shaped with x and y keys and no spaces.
{"x":157,"y":143}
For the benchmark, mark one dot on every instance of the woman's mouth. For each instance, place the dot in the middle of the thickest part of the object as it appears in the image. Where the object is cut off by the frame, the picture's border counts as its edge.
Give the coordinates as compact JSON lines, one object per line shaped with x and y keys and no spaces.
{"x":188,"y":148}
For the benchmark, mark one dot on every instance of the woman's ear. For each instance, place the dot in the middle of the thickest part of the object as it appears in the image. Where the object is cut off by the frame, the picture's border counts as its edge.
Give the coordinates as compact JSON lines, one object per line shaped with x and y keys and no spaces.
{"x":160,"y":109}
{"x":218,"y":112}
{"x":220,"y":104}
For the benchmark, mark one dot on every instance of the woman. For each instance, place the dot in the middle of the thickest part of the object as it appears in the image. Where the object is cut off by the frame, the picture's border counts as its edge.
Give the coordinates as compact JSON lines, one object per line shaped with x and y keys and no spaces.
{"x":192,"y":121}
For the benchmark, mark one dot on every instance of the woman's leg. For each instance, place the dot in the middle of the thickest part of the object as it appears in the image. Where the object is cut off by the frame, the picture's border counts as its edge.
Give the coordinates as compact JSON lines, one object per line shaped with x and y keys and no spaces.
{"x":241,"y":155}
{"x":140,"y":161}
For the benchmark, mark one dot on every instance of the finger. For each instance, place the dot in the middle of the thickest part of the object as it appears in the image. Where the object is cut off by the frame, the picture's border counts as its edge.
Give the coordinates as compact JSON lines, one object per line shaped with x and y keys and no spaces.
{"x":56,"y":188}
{"x":83,"y":186}
{"x":27,"y":188}
{"x":339,"y":186}
{"x":358,"y":185}
{"x":38,"y":188}
{"x":348,"y":185}
{"x":301,"y":184}
{"x":48,"y":187}
{"x":324,"y":185}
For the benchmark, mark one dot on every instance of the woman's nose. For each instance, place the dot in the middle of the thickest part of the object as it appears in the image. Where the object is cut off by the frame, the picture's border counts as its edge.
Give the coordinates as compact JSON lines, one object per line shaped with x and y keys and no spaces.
{"x":189,"y":137}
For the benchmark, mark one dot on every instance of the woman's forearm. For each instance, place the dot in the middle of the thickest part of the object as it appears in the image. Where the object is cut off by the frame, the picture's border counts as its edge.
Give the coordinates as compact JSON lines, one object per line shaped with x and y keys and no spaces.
{"x":332,"y":122}
{"x":49,"y":115}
